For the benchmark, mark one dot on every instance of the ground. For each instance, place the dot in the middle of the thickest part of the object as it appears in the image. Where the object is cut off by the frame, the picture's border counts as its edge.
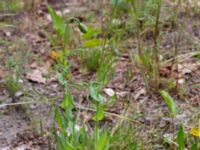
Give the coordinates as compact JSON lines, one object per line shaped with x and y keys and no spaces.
{"x":28,"y":125}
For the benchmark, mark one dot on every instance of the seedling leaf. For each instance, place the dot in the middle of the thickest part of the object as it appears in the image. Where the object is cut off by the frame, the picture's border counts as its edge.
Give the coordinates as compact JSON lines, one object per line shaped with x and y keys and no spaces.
{"x":99,"y":114}
{"x":94,"y":94}
{"x":102,"y":142}
{"x":57,"y":20}
{"x":170,"y":102}
{"x":67,"y":101}
{"x":181,"y":137}
{"x":59,"y":118}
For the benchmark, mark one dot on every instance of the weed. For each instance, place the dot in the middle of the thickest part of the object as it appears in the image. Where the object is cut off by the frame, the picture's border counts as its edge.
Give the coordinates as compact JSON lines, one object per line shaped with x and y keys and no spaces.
{"x":12,"y":85}
{"x":15,"y":65}
{"x":147,"y":13}
{"x":181,"y":138}
{"x":90,"y":59}
{"x":95,"y":57}
{"x":125,"y":138}
{"x":71,"y":136}
{"x":10,"y":5}
{"x":170,"y":103}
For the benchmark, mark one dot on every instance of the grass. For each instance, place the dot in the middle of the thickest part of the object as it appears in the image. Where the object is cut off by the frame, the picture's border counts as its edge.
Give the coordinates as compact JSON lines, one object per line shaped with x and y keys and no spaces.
{"x":11,"y":6}
{"x":90,"y":59}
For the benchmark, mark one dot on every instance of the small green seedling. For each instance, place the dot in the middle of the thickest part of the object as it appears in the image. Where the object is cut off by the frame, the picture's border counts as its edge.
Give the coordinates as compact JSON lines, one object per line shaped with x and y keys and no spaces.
{"x":170,"y":103}
{"x":12,"y":85}
{"x":181,"y":138}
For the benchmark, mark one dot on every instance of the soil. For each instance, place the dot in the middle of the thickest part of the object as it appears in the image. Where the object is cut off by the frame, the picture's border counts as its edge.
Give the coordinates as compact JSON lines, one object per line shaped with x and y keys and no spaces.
{"x":21,"y":126}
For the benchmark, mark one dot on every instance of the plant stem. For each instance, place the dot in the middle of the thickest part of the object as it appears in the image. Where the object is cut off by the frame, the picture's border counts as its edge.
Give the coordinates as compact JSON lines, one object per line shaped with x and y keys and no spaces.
{"x":139,"y":50}
{"x":155,"y":47}
{"x":107,"y":31}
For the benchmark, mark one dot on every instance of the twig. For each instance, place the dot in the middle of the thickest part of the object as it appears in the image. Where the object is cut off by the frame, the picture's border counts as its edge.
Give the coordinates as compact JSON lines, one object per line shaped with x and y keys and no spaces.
{"x":7,"y":25}
{"x":110,"y":114}
{"x":7,"y":15}
{"x":183,"y":56}
{"x":15,"y":104}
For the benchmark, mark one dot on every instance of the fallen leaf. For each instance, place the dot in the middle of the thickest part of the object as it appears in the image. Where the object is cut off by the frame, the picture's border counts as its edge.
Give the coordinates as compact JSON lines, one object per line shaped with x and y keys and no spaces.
{"x":187,"y":68}
{"x":110,"y":92}
{"x":18,"y":94}
{"x":139,"y":93}
{"x":36,"y":76}
{"x":122,"y":94}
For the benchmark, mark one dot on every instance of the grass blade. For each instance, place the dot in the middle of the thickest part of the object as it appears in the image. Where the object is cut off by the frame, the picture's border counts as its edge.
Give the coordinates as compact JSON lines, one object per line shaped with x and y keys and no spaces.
{"x":181,"y":137}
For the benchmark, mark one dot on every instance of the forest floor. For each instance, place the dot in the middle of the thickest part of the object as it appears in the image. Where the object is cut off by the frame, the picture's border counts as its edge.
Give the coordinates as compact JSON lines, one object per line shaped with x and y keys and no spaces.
{"x":22,"y":38}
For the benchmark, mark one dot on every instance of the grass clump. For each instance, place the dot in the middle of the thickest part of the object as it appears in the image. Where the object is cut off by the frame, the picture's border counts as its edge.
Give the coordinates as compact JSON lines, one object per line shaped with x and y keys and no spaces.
{"x":11,"y":6}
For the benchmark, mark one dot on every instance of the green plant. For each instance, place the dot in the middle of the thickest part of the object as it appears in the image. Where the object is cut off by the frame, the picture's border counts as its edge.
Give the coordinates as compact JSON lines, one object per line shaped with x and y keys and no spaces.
{"x":170,"y":103}
{"x":63,"y":29}
{"x":96,"y":54}
{"x":90,"y":59}
{"x":12,"y":85}
{"x":69,"y":135}
{"x":10,"y":6}
{"x":125,"y":137}
{"x":181,"y":138}
{"x":185,"y":141}
{"x":146,"y":66}
{"x":101,"y":138}
{"x":106,"y":69}
{"x":63,"y":33}
{"x":66,"y":135}
{"x":14,"y":65}
{"x":147,"y":14}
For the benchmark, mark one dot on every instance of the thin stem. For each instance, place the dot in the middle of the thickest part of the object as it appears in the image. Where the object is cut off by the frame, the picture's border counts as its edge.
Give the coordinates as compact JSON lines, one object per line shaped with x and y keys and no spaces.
{"x":106,"y":32}
{"x":155,"y":47}
{"x":139,"y":50}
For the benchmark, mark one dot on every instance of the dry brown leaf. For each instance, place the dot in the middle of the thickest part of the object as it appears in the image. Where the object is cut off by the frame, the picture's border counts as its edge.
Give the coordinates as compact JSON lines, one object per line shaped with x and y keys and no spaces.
{"x":139,"y":93}
{"x":187,"y":68}
{"x":37,"y":75}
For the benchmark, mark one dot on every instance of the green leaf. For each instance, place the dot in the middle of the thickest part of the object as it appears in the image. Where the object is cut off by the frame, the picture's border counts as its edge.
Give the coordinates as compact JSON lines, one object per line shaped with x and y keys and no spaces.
{"x":95,"y":94}
{"x":99,"y":114}
{"x":91,"y":33}
{"x":57,"y":20}
{"x":197,"y":56}
{"x":170,"y":102}
{"x":181,"y":137}
{"x":59,"y":118}
{"x":59,"y":142}
{"x":194,"y":146}
{"x":102,"y":143}
{"x":92,"y":43}
{"x":121,"y":4}
{"x":61,"y":80}
{"x":67,"y":101}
